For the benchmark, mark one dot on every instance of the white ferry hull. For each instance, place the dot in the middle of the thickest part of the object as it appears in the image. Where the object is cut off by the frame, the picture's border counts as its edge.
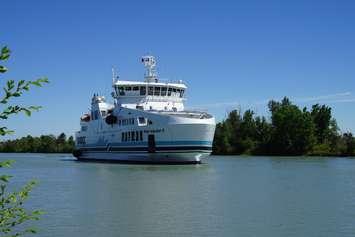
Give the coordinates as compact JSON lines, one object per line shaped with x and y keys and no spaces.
{"x":177,"y":140}
{"x":139,"y":157}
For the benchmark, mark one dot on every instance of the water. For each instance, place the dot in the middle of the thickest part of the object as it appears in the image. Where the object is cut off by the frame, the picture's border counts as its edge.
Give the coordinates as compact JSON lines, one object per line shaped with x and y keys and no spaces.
{"x":226,"y":196}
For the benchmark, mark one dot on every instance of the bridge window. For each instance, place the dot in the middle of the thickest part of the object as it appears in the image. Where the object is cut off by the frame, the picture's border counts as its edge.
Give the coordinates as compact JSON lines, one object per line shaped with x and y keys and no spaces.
{"x":150,"y":90}
{"x":157,"y":91}
{"x":143,"y":90}
{"x":182,"y":93}
{"x":121,"y":90}
{"x":169,"y":91}
{"x":135,"y":88}
{"x":163,"y":91}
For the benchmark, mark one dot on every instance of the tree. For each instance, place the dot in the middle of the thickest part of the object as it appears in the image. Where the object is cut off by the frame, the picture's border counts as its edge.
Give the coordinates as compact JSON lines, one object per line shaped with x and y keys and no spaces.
{"x":349,"y":141}
{"x":44,"y":143}
{"x":322,"y":116}
{"x":12,"y":213}
{"x":293,"y":129}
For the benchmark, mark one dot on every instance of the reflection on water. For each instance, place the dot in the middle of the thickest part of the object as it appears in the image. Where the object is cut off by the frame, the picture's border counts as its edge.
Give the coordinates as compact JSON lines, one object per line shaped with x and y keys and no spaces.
{"x":225,"y":196}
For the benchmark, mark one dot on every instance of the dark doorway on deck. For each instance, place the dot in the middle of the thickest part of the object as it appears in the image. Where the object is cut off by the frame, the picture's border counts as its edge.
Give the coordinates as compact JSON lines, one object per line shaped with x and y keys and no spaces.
{"x":151,"y":143}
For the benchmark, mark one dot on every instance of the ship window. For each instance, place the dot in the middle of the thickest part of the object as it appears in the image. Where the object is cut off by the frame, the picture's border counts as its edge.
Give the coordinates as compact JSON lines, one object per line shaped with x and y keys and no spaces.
{"x":103,"y":113}
{"x":141,"y":135}
{"x":135,"y":88}
{"x":163,"y":91}
{"x":182,"y":93}
{"x":169,"y":91}
{"x":157,"y":91}
{"x":174,"y":90}
{"x":142,"y":121}
{"x":121,"y":90}
{"x":178,"y":92}
{"x":150,"y":90}
{"x":143,"y":90}
{"x":129,"y":136}
{"x":128,"y":88}
{"x":122,"y":137}
{"x":137,"y":136}
{"x":133,"y":136}
{"x":125,"y":136}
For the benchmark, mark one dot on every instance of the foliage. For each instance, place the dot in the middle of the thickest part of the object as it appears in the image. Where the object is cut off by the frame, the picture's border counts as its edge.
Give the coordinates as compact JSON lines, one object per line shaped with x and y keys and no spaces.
{"x":42,"y":144}
{"x":15,"y":89}
{"x":12,"y":212}
{"x":13,"y":215}
{"x":289,"y":131}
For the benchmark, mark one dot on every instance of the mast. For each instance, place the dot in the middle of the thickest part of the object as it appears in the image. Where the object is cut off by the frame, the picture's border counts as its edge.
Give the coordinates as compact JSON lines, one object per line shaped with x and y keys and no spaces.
{"x":149,"y":64}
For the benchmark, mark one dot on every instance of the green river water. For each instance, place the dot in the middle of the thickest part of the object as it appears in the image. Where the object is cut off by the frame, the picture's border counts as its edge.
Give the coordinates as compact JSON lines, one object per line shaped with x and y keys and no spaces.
{"x":224,"y":196}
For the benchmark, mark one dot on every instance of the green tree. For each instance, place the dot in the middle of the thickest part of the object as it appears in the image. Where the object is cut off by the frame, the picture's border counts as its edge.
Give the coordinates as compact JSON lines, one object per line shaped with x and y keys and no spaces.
{"x":12,"y":213}
{"x":293,"y":129}
{"x":322,"y":116}
{"x":44,"y":143}
{"x":263,"y":135}
{"x":349,"y":141}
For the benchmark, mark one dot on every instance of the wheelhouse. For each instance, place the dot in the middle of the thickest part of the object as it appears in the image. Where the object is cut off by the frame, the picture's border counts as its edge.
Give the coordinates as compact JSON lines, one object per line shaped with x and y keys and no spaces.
{"x":149,"y":89}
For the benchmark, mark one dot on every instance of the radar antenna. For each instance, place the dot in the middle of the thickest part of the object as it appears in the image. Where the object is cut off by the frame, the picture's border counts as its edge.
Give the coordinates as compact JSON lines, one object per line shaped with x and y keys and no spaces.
{"x":149,"y":63}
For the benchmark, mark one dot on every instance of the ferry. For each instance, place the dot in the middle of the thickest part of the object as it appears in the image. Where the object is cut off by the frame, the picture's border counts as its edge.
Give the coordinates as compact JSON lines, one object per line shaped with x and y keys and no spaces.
{"x":146,"y":123}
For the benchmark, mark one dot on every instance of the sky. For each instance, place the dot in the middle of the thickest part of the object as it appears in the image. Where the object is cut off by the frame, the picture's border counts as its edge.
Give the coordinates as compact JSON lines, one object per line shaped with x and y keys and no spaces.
{"x":231,"y":54}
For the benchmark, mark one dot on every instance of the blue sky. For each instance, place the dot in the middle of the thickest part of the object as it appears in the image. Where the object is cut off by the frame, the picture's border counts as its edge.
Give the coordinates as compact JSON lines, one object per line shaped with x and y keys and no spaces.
{"x":232,"y":54}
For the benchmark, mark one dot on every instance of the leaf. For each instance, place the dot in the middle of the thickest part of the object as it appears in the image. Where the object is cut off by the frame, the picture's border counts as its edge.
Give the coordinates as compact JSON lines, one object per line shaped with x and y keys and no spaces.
{"x":5,"y":53}
{"x":40,"y":81}
{"x":5,"y":178}
{"x":35,"y":108}
{"x":10,"y":84}
{"x":36,"y":83}
{"x":20,"y":83}
{"x":3,"y":69}
{"x":6,"y":163}
{"x":27,"y":111}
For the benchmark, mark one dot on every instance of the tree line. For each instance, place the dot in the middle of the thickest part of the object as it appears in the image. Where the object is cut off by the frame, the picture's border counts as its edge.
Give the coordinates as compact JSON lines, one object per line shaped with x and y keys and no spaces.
{"x":289,"y":131}
{"x":42,"y":144}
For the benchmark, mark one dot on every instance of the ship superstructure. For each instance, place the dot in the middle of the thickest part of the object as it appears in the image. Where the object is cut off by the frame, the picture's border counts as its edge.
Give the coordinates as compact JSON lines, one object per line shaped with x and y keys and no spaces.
{"x":146,"y":123}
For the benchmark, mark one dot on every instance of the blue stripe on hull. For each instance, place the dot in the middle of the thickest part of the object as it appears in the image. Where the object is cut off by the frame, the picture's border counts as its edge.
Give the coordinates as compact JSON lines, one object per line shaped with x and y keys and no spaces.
{"x":145,"y":149}
{"x":158,"y":143}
